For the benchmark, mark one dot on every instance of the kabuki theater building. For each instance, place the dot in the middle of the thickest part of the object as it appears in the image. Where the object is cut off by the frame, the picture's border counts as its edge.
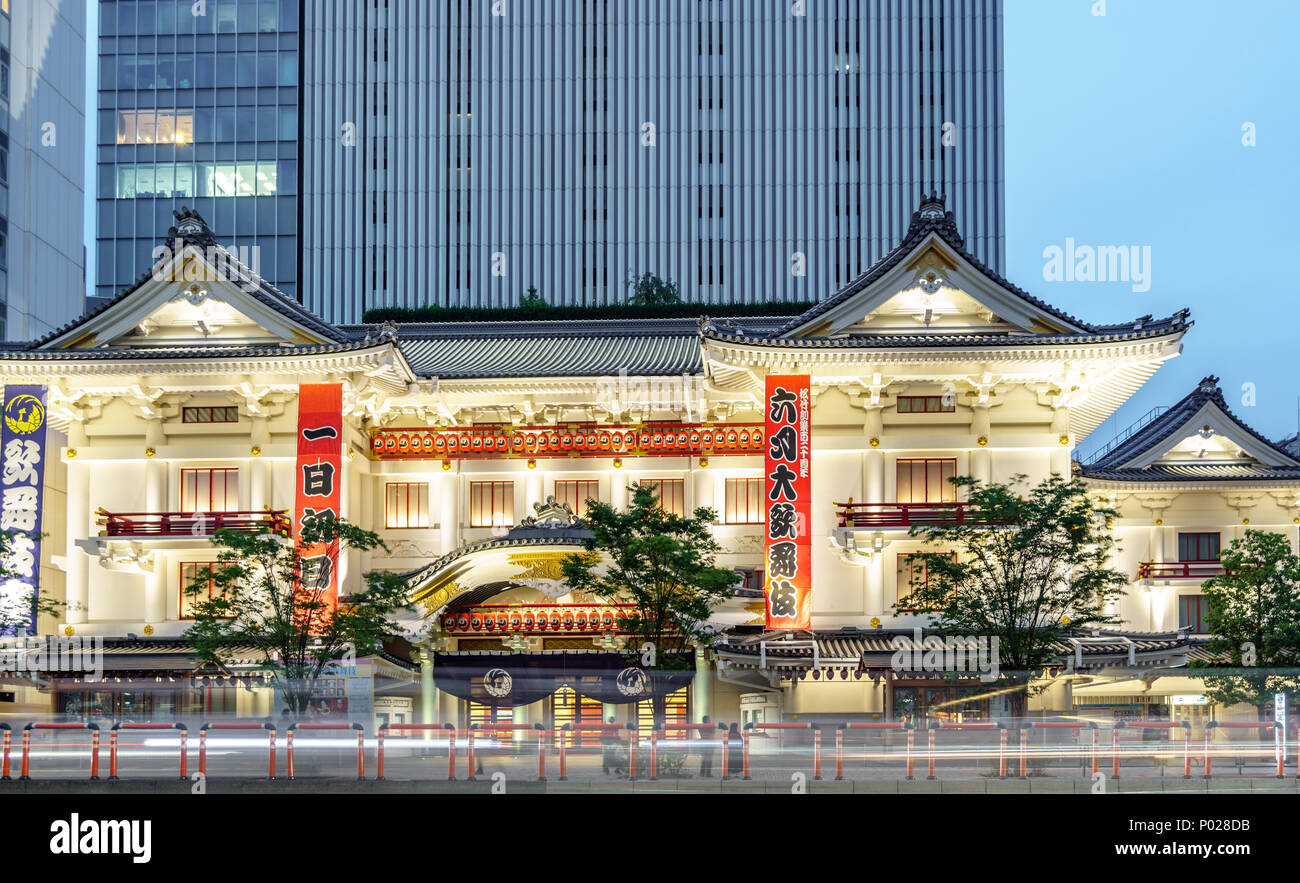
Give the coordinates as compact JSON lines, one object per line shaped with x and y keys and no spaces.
{"x":175,"y":410}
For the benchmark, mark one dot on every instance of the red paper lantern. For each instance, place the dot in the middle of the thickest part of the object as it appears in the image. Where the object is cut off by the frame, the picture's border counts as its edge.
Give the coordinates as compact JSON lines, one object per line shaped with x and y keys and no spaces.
{"x":476,"y":622}
{"x":580,"y":620}
{"x":555,"y":621}
{"x":516,"y":621}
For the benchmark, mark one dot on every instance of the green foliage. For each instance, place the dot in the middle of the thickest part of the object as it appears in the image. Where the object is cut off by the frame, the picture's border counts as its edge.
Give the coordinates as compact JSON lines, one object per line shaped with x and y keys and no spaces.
{"x":1254,"y":618}
{"x":648,"y":290}
{"x":1028,"y":568}
{"x":532,"y":300}
{"x":528,"y":311}
{"x":664,"y":565}
{"x":266,"y":593}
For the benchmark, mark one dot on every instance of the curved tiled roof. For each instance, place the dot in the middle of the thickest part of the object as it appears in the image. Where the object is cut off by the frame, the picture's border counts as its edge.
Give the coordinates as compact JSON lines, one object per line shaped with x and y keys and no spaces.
{"x":518,"y":537}
{"x":1142,"y":330}
{"x":191,"y":352}
{"x":930,"y":218}
{"x":1159,"y":430}
{"x":455,"y":357}
{"x":203,"y":238}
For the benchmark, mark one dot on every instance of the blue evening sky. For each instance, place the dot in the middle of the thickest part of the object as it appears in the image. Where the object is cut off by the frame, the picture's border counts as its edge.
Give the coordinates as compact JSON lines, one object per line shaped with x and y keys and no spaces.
{"x":1127,"y":130}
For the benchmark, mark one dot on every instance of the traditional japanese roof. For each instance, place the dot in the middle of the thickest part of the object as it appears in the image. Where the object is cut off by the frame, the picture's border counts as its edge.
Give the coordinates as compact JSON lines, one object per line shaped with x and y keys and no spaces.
{"x":553,"y":355}
{"x":1145,"y":328}
{"x":191,"y":235}
{"x":874,"y":649}
{"x":175,"y":656}
{"x":931,"y":219}
{"x":933,"y":258}
{"x":1198,"y":439}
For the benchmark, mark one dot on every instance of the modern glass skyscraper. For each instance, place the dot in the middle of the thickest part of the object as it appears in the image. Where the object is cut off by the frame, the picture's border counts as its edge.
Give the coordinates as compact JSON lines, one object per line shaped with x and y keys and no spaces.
{"x":459,"y":152}
{"x":42,"y":138}
{"x":198,"y":106}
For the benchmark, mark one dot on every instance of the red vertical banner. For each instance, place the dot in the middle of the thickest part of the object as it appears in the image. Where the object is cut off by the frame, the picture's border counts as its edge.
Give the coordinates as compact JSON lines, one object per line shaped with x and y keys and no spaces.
{"x":319,"y":474}
{"x":787,"y":565}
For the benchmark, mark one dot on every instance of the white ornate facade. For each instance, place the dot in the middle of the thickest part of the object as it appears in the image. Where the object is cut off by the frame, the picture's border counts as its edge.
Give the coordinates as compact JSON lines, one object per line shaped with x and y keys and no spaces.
{"x":173,"y":410}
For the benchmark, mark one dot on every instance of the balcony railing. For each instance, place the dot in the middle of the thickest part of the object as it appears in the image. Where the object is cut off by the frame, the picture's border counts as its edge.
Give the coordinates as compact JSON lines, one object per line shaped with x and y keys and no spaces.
{"x":191,"y":524}
{"x":1199,"y":570}
{"x":903,"y":514}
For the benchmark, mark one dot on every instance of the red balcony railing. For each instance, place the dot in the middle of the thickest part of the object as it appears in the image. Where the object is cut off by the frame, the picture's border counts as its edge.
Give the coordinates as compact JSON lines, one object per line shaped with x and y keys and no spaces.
{"x":1201,"y":570}
{"x":191,"y":524}
{"x":902,"y":514}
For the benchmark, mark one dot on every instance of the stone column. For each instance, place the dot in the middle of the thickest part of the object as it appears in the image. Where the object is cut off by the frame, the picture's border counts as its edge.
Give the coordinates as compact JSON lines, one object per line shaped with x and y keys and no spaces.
{"x":618,"y":482}
{"x":155,"y":486}
{"x":155,"y":591}
{"x":873,"y":485}
{"x":259,"y":486}
{"x":534,"y":491}
{"x":876,"y":584}
{"x":77,"y":527}
{"x":449,"y":511}
{"x":701,"y":686}
{"x":704,"y":485}
{"x":981,"y":465}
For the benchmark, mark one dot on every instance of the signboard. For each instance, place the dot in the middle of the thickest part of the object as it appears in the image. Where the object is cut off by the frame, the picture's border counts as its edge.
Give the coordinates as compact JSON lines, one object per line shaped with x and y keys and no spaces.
{"x":22,"y":443}
{"x":787,"y":560}
{"x":319,"y":476}
{"x":1188,"y":699}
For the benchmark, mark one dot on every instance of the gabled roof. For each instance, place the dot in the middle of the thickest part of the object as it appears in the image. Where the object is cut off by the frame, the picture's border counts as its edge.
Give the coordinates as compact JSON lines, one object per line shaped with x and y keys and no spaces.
{"x":1009,"y":314}
{"x":191,"y":231}
{"x":930,"y":220}
{"x":1205,"y":411}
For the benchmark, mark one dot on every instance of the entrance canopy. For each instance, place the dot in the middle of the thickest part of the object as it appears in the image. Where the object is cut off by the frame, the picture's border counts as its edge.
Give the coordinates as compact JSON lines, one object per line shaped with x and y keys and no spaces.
{"x":507,"y":680}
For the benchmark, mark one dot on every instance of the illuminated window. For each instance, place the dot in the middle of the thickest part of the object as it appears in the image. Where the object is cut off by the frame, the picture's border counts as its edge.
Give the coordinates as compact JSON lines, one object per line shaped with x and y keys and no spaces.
{"x":926,"y":481}
{"x":491,"y":503}
{"x":407,"y":506}
{"x":209,"y":490}
{"x":926,"y":405}
{"x":210,"y":415}
{"x":750,"y":578}
{"x":196,"y":575}
{"x":569,"y":707}
{"x":744,"y":501}
{"x":676,"y":712}
{"x":670,"y":492}
{"x":576,"y":494}
{"x":155,"y":127}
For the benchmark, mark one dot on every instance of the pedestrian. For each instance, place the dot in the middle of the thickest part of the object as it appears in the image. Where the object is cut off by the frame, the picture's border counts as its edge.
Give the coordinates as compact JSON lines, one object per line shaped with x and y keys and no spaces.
{"x":707,"y":736}
{"x":735,"y":748}
{"x":609,"y":749}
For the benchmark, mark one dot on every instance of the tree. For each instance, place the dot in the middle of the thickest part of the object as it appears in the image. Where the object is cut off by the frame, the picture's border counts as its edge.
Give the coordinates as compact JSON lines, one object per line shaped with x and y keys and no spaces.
{"x":532,"y":300}
{"x":265,"y":592}
{"x":20,"y":609}
{"x":664,"y":565}
{"x":1254,"y":620}
{"x":648,"y":290}
{"x":1027,"y":569}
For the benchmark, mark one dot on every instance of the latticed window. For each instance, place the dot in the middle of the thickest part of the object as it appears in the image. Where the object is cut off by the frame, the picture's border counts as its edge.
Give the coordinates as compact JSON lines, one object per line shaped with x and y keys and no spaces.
{"x":744,"y":501}
{"x":1192,"y":613}
{"x":926,"y":481}
{"x":407,"y":505}
{"x":576,"y":494}
{"x":210,"y":415}
{"x":926,"y":405}
{"x":209,"y":490}
{"x":1198,"y":547}
{"x":491,"y":503}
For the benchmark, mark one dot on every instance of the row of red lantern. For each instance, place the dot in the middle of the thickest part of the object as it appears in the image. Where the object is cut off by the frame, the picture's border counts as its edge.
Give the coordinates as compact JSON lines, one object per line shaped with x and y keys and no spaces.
{"x":737,"y":439}
{"x":535,"y":620}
